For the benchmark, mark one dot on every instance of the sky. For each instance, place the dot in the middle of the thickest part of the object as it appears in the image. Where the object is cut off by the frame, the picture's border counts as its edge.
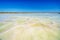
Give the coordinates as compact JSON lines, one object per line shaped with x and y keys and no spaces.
{"x":29,"y":6}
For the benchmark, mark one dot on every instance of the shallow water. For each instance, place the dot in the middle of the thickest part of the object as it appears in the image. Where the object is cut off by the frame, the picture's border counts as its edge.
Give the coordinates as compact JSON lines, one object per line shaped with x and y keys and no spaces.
{"x":34,"y":26}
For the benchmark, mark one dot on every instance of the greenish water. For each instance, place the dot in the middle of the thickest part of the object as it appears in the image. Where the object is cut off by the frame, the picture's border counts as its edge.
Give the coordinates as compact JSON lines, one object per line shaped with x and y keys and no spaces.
{"x":10,"y":17}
